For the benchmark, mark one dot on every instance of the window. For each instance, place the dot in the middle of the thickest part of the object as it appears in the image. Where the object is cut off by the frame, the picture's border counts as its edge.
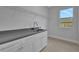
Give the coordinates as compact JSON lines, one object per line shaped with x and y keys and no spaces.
{"x":66,"y":18}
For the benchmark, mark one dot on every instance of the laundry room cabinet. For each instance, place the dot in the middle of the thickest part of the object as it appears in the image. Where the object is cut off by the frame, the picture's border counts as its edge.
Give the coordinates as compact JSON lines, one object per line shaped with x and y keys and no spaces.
{"x":33,"y":43}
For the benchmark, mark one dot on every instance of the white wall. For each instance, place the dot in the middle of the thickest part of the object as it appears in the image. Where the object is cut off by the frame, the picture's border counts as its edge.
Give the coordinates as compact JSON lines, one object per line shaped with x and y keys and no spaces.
{"x":41,"y":10}
{"x":22,"y":17}
{"x":69,"y":34}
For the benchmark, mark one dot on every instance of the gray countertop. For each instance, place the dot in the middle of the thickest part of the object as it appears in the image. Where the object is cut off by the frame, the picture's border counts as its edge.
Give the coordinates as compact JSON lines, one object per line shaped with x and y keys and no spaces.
{"x":8,"y":36}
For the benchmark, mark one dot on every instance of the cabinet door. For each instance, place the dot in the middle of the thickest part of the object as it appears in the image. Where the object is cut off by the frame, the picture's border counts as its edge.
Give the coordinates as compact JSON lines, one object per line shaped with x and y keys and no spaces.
{"x":10,"y":47}
{"x":44,"y":42}
{"x":44,"y":39}
{"x":26,"y":44}
{"x":36,"y":43}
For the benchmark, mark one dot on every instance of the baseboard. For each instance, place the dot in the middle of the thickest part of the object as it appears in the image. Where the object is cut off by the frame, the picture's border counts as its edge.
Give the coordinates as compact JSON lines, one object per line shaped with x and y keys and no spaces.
{"x":65,"y":39}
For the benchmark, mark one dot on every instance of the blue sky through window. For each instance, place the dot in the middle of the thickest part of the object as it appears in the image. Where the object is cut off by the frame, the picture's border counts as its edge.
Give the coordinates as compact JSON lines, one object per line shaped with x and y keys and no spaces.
{"x":66,"y":13}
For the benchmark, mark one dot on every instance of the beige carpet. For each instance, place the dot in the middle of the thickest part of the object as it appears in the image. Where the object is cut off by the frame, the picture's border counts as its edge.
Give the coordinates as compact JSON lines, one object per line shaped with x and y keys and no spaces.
{"x":57,"y":45}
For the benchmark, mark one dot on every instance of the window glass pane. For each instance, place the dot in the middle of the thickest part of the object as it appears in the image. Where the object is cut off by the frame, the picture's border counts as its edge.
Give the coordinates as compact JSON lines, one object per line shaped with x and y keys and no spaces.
{"x":66,"y":13}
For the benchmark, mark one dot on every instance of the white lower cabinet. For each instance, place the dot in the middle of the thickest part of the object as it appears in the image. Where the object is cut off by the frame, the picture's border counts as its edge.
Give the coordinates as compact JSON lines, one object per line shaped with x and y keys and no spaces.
{"x":32,"y":43}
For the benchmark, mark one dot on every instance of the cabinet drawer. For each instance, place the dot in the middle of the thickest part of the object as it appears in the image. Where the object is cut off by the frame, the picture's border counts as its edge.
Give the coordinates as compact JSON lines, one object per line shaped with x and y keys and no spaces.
{"x":44,"y":34}
{"x":11,"y":46}
{"x":39,"y":35}
{"x":26,"y":39}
